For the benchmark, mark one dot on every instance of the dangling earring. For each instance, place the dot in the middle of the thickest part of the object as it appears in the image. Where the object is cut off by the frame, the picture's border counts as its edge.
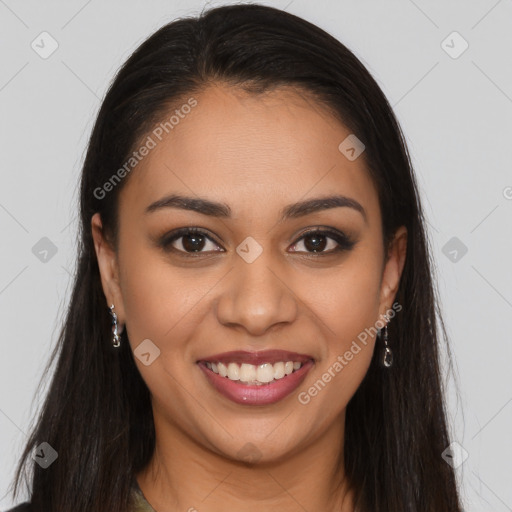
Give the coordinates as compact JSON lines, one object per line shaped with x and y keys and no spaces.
{"x":387,"y":355}
{"x":116,"y":340}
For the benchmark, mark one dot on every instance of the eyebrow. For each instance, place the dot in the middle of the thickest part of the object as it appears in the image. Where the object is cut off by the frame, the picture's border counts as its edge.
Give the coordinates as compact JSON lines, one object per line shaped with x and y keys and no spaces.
{"x":292,"y":211}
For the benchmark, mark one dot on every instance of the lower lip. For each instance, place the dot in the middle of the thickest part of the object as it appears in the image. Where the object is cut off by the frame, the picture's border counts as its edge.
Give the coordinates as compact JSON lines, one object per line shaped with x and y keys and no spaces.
{"x":257,"y":395}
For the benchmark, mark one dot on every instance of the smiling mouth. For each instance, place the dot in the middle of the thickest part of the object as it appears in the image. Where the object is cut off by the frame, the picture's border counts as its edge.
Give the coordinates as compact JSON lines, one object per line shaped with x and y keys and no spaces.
{"x":254,"y":375}
{"x":263,"y":384}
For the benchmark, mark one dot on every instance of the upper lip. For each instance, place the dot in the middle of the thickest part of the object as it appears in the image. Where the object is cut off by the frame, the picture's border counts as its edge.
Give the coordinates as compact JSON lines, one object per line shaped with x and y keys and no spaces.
{"x":256,"y":358}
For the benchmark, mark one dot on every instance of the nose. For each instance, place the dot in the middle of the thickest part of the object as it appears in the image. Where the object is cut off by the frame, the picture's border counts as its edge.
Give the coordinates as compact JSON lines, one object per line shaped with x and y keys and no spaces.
{"x":256,"y":296}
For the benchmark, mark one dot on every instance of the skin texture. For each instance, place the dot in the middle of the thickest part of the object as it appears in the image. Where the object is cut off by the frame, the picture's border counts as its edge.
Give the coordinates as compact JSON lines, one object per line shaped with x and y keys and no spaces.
{"x":257,"y":153}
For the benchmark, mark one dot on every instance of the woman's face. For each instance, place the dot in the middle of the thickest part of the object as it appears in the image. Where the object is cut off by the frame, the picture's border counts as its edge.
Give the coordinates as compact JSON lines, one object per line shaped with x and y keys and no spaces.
{"x":250,"y":282}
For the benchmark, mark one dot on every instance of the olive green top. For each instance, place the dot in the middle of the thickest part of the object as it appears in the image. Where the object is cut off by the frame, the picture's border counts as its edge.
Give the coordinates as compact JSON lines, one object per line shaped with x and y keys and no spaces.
{"x":141,"y":504}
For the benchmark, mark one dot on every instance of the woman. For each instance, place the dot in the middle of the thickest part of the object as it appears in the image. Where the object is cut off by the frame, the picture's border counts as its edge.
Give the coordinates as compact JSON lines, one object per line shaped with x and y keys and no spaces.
{"x":253,"y":324}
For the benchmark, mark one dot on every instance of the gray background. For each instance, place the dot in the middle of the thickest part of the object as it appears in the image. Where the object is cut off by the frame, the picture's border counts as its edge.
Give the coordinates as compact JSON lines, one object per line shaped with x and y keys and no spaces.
{"x":456,"y":114}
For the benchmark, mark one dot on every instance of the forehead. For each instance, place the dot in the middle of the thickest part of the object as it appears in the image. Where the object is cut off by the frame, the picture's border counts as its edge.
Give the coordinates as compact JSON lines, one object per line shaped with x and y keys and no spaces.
{"x":250,"y":149}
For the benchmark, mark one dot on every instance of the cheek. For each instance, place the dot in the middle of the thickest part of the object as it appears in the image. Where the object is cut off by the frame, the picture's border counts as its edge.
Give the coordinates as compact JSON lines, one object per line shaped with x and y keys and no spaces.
{"x":347,"y":297}
{"x":163,"y":303}
{"x":159,"y":306}
{"x":349,"y":308}
{"x":154,"y":296}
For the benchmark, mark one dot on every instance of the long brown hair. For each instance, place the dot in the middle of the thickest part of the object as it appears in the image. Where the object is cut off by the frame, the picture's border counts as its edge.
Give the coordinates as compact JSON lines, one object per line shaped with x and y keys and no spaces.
{"x":97,"y":413}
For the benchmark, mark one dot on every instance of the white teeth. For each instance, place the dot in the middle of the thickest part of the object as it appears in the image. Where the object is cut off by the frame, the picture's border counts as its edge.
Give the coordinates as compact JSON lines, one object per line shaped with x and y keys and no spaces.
{"x":251,"y":374}
{"x":265,"y":372}
{"x":223,"y":371}
{"x":278,"y":370}
{"x":247,"y":373}
{"x":233,"y":371}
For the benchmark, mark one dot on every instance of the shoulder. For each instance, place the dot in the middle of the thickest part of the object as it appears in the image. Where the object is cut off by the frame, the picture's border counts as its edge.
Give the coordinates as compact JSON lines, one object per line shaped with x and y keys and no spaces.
{"x":24,"y":507}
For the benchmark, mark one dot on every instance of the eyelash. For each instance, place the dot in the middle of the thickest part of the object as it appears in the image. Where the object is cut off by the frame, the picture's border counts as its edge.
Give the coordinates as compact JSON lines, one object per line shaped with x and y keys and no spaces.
{"x":343,"y":241}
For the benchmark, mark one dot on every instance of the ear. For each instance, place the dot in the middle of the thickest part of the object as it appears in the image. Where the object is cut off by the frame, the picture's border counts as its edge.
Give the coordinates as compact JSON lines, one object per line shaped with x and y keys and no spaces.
{"x":109,"y":270}
{"x":393,"y":269}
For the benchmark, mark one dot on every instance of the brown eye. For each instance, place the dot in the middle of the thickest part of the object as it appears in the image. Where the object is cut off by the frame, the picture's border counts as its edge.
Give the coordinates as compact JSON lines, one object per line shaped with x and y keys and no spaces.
{"x":191,"y":240}
{"x":316,"y":241}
